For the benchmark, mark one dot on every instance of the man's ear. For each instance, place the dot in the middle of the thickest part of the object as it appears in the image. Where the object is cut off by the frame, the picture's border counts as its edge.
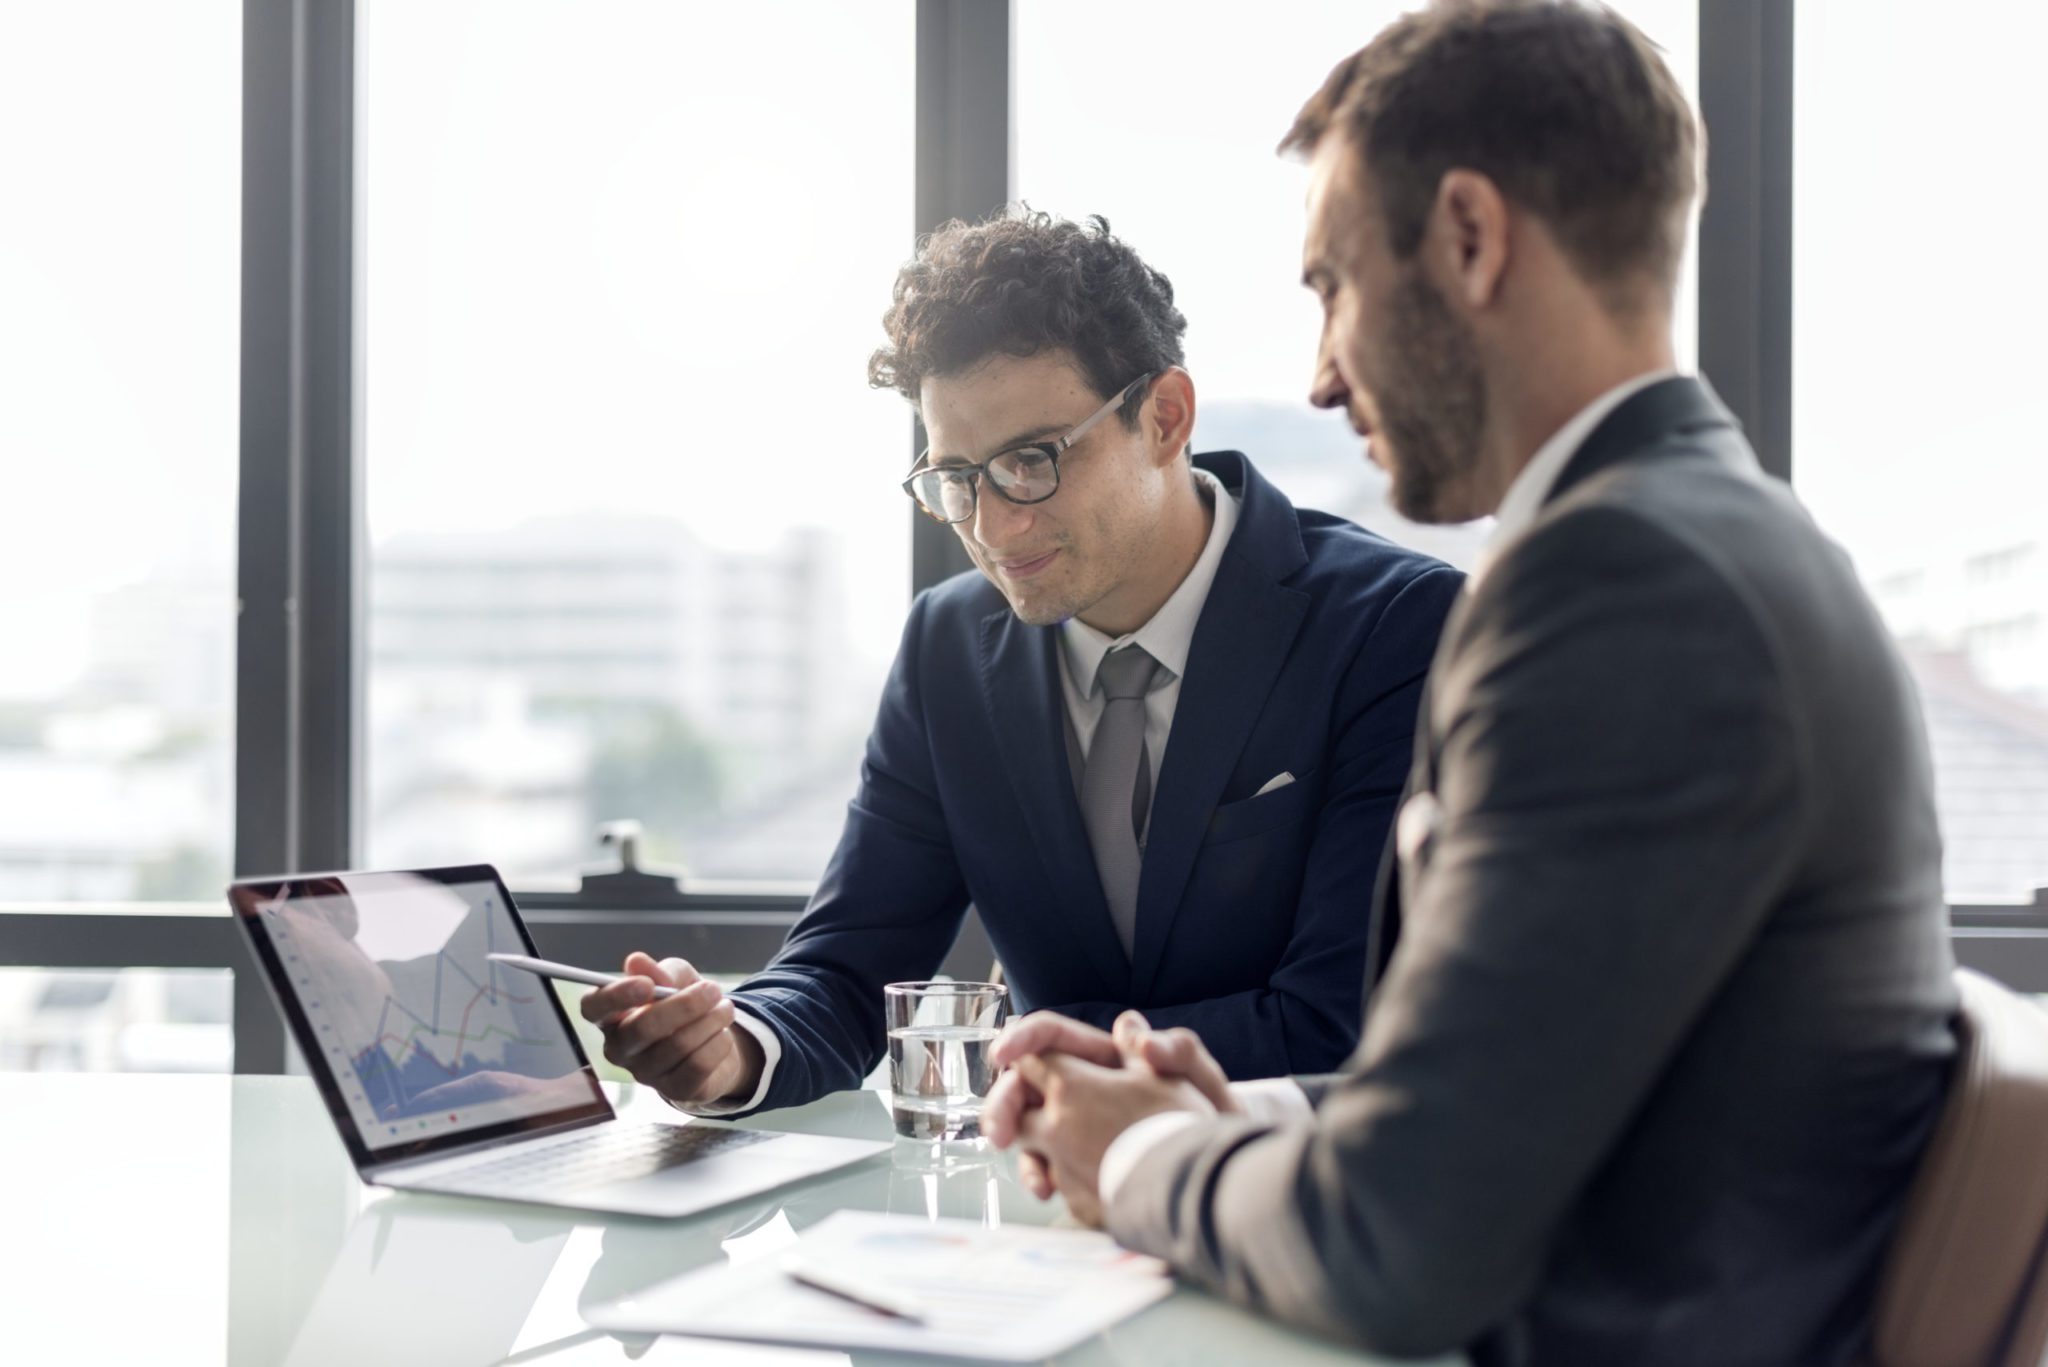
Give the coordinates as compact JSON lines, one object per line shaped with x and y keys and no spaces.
{"x":1468,"y":238}
{"x":1169,"y":422}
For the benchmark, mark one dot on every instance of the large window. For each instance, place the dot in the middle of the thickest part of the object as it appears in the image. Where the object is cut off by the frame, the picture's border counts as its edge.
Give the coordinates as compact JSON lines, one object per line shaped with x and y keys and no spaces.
{"x":604,"y":283}
{"x":1167,"y":128}
{"x":634,"y":546}
{"x":1916,"y":372}
{"x":119,"y":275}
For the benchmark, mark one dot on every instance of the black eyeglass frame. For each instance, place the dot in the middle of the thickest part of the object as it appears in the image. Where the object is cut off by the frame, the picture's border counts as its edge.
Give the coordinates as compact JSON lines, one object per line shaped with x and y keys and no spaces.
{"x":1052,"y":451}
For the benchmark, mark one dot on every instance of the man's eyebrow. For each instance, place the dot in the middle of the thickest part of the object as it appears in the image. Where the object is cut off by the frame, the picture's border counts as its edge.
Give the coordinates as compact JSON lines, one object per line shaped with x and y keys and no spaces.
{"x":1035,"y":434}
{"x":1021,"y":439}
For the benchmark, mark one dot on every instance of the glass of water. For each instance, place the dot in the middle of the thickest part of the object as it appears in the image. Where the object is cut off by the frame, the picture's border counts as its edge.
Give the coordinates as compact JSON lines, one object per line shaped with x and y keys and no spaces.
{"x":939,"y":1071}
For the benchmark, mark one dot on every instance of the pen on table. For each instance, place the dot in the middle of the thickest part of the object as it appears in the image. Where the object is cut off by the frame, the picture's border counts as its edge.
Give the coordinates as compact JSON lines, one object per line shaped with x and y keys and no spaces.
{"x":548,"y":968}
{"x":834,"y":1282}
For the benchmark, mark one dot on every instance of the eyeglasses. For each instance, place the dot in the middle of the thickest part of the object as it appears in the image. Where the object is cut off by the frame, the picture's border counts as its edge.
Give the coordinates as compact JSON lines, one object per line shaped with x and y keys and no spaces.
{"x":1022,"y":475}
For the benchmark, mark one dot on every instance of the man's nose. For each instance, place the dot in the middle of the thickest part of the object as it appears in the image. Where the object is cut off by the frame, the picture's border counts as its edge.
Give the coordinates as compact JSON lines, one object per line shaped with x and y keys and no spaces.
{"x":997,"y":521}
{"x":1327,"y":389}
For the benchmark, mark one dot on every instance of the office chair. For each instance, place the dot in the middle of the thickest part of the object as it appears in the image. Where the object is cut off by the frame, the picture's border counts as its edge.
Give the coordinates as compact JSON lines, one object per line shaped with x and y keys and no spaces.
{"x":1966,"y":1281}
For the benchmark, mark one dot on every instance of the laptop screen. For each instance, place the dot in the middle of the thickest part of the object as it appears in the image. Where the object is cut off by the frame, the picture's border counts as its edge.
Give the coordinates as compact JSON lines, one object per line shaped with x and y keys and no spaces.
{"x":418,"y":1040}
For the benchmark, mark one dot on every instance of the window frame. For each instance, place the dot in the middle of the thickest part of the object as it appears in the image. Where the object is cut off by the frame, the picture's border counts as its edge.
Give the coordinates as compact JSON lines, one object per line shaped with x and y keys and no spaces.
{"x":300,"y":641}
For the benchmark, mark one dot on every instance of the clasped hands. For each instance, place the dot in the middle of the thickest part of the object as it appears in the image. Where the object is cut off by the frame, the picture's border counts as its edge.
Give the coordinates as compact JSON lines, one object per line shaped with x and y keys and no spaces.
{"x":1069,"y":1089}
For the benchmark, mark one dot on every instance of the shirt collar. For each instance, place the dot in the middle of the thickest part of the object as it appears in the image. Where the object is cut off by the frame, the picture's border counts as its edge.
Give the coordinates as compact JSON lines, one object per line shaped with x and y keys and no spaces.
{"x":1170,"y":633}
{"x":1525,"y":497}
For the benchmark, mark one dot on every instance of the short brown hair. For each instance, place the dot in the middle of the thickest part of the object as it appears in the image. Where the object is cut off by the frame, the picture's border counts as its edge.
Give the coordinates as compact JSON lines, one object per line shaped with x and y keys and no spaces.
{"x":1564,"y":105}
{"x":1023,"y":283}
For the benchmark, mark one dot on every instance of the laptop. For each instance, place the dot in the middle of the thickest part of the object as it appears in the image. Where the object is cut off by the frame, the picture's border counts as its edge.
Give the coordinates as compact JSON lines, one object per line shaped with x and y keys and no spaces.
{"x":446,"y":1072}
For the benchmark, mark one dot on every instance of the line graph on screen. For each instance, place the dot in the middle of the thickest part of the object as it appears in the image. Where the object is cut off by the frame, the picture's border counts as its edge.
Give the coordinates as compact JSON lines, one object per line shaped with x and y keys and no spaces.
{"x":441,"y":1018}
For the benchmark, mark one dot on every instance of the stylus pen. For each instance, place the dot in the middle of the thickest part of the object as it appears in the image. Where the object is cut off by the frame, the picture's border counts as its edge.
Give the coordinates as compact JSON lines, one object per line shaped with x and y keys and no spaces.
{"x":834,"y":1282}
{"x":548,"y":968}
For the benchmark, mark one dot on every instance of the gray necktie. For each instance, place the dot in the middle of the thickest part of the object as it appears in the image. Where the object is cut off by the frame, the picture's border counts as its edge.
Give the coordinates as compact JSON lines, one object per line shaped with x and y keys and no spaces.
{"x":1116,"y":785}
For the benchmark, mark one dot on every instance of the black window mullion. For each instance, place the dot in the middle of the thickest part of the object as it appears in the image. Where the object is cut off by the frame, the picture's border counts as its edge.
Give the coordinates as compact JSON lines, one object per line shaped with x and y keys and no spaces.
{"x":964,"y":170}
{"x":1745,"y":234}
{"x":296,"y":646}
{"x":296,"y":697}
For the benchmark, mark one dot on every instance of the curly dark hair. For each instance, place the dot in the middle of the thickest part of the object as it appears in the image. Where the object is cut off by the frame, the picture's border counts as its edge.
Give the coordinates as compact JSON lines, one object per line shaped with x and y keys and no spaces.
{"x":1022,"y":283}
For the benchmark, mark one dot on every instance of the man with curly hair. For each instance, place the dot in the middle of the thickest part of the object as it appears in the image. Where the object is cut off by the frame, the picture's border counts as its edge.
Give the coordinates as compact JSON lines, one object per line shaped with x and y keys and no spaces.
{"x":1155,"y":738}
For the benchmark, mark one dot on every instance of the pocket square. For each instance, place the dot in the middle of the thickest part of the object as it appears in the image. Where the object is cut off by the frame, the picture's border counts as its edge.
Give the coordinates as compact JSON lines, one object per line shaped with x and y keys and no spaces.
{"x":1273,"y":784}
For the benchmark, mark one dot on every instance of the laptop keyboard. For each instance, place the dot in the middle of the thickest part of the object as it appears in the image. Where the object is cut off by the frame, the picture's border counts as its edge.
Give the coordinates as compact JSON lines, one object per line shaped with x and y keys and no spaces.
{"x":611,"y":1153}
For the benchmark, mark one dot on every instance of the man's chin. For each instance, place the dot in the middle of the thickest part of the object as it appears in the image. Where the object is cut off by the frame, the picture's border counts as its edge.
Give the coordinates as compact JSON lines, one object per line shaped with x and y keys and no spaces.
{"x":1417,"y":506}
{"x":1040,"y":605}
{"x":1428,"y":499}
{"x":1437,"y":511}
{"x":1039,"y":612}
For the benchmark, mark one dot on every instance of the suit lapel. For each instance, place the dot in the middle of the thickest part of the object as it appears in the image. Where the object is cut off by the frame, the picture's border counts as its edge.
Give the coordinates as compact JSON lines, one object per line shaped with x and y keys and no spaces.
{"x":1241,"y":641}
{"x":1385,"y":930}
{"x":1667,"y":408}
{"x":1027,"y":712}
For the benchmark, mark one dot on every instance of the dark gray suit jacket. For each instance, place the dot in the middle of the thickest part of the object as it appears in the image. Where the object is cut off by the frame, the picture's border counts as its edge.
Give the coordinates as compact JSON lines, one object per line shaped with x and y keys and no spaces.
{"x":1668,"y":1023}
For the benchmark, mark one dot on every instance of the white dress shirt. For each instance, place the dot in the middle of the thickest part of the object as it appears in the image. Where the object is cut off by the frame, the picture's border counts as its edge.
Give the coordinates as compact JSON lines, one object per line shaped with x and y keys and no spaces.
{"x":1270,"y":1100}
{"x":1525,"y":496}
{"x":1166,"y":637}
{"x":1278,"y":1100}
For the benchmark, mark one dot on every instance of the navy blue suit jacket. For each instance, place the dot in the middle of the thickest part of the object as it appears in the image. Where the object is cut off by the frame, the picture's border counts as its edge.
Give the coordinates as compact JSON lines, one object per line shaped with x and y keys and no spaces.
{"x":1308,"y":659}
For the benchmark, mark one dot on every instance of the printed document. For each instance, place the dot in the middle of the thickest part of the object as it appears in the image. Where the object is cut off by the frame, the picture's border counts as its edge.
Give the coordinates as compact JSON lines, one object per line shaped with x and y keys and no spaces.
{"x":1011,"y":1294}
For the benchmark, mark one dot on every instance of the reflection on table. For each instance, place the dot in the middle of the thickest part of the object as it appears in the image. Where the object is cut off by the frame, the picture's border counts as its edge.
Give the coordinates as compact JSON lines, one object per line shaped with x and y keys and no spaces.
{"x":208,"y":1220}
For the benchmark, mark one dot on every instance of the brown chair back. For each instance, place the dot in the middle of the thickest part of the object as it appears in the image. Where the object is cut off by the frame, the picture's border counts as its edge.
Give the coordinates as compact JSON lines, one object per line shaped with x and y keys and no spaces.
{"x":1966,"y":1282}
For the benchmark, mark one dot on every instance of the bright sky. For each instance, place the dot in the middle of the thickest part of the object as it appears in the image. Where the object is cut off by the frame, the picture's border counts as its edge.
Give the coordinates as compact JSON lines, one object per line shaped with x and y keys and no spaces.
{"x":631,"y":258}
{"x":120,"y":280}
{"x":1918,"y":206}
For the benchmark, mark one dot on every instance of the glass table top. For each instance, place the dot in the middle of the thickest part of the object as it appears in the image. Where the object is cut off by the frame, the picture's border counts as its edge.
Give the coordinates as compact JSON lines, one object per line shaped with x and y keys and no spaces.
{"x":216,"y":1220}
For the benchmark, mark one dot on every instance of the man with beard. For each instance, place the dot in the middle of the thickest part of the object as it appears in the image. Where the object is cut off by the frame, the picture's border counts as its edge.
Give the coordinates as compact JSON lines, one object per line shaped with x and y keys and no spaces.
{"x":1668,"y":1018}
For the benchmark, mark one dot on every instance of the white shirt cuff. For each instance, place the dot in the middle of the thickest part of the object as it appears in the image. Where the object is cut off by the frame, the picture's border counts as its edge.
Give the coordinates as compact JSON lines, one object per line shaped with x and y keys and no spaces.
{"x":1270,"y":1100}
{"x":1128,"y":1149}
{"x":771,"y":1054}
{"x":1273,"y":1100}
